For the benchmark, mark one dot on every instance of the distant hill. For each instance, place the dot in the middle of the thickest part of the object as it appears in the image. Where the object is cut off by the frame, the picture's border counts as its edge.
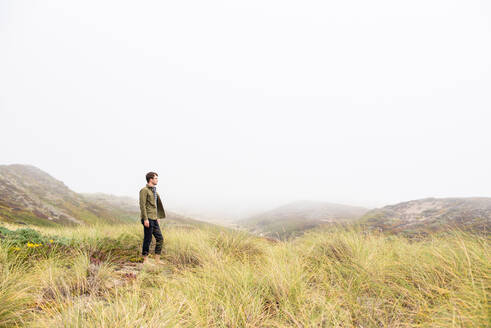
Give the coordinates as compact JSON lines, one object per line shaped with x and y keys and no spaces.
{"x":432,"y":214}
{"x":294,"y":218}
{"x":127,"y":206}
{"x":122,"y":203}
{"x":29,"y":195}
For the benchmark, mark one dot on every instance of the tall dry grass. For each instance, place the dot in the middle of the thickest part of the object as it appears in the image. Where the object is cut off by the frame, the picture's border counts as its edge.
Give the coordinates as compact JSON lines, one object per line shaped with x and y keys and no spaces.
{"x":217,"y":278}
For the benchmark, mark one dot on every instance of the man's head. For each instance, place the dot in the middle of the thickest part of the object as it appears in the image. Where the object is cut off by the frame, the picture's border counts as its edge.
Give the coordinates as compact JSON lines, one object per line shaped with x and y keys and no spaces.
{"x":152,"y":178}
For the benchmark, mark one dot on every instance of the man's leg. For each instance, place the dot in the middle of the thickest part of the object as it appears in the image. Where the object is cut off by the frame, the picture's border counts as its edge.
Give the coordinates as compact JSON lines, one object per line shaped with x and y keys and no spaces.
{"x":159,"y":240}
{"x":147,"y":239}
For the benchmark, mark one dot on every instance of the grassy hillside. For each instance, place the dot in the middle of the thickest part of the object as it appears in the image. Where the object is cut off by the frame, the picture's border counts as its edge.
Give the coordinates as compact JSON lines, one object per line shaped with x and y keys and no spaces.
{"x":31,"y":196}
{"x":433,"y":214}
{"x":295,"y":218}
{"x":90,"y":276}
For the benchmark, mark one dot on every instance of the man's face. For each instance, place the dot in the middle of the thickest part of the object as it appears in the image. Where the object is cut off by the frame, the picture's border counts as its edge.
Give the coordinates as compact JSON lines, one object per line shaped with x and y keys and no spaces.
{"x":154,"y":180}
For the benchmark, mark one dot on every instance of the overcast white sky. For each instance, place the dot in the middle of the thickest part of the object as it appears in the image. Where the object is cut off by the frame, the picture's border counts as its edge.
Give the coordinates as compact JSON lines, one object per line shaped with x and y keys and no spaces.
{"x":243,"y":105}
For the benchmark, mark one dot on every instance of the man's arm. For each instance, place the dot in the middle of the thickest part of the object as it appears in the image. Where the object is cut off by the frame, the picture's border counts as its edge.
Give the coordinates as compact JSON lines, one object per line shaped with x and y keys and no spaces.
{"x":143,"y":209}
{"x":160,"y":207}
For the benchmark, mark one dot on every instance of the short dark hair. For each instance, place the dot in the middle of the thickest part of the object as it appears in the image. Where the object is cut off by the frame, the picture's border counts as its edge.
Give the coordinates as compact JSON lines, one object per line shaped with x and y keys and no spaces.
{"x":150,"y":175}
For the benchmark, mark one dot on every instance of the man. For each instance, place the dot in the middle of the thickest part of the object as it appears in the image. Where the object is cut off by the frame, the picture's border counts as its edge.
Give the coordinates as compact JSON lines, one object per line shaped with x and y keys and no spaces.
{"x":151,"y":209}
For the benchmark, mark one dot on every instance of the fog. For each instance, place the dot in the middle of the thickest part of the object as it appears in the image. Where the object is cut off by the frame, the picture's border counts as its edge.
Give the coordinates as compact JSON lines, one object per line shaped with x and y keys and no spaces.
{"x":241,"y":106}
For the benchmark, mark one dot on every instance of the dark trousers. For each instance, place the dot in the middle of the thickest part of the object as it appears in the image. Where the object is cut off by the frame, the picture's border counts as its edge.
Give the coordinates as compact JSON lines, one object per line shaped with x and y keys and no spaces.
{"x":153,"y":229}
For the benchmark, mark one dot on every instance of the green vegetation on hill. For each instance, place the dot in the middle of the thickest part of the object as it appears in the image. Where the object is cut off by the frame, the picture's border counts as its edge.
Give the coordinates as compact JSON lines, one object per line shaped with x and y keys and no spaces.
{"x":90,"y":276}
{"x":31,"y":196}
{"x":22,"y":217}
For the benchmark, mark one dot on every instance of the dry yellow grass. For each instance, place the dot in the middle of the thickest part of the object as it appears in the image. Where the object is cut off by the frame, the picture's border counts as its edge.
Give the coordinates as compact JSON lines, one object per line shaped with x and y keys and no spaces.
{"x":218,"y":278}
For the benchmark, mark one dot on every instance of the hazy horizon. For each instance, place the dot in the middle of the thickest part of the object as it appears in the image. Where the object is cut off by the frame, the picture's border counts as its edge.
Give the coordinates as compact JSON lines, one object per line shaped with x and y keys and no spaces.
{"x":245,"y":106}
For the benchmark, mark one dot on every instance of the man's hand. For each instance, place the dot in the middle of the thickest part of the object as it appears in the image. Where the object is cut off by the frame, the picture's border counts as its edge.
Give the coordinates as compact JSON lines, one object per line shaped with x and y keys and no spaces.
{"x":146,"y":223}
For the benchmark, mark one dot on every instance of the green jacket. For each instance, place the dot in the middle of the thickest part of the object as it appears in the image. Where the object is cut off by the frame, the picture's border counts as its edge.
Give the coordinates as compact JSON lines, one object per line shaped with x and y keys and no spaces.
{"x":148,"y":208}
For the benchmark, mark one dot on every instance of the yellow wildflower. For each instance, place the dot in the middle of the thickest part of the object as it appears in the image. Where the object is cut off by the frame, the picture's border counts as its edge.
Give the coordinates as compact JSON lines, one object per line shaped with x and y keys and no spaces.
{"x":51,"y":240}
